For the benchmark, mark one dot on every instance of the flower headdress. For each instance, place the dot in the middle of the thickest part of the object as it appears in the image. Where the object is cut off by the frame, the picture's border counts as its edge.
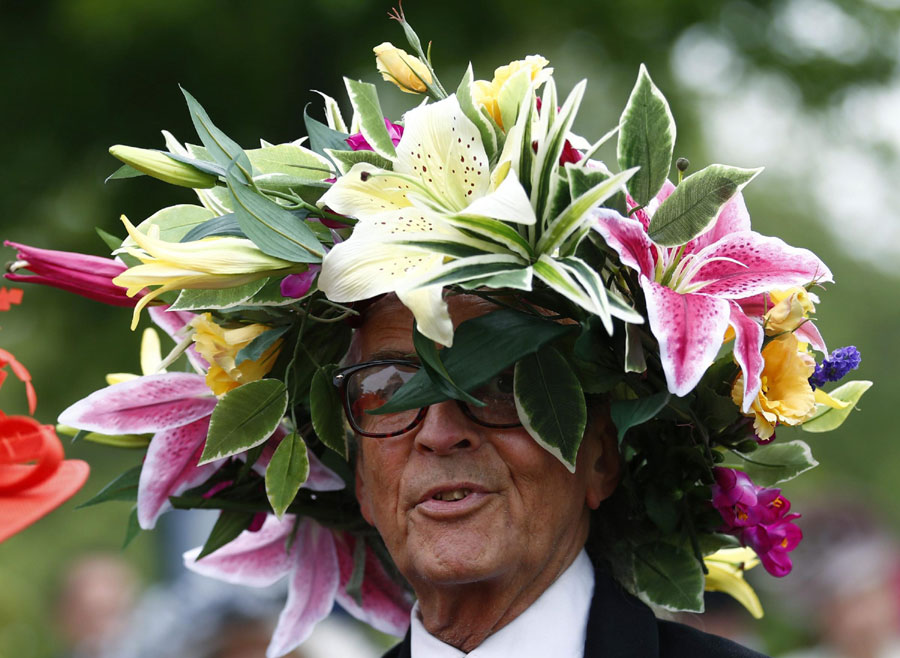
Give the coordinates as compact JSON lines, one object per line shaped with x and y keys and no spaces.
{"x":696,"y":329}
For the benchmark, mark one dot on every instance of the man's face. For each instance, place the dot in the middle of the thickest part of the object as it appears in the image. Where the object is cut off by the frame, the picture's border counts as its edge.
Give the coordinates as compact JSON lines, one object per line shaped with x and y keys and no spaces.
{"x":456,"y":502}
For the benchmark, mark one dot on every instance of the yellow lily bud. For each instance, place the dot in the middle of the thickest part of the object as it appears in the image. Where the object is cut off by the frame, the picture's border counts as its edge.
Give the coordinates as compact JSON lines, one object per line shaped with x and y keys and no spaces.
{"x":397,"y":66}
{"x":161,"y":166}
{"x":790,"y":310}
{"x":726,"y":574}
{"x":488,"y":93}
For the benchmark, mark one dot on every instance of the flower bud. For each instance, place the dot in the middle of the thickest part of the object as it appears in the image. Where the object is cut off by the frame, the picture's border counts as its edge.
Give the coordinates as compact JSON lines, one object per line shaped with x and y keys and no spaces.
{"x":397,"y":66}
{"x":159,"y":165}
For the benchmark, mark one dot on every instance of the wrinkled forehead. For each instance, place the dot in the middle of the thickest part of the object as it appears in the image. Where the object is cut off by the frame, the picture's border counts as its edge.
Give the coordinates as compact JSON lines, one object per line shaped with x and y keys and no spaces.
{"x":387,"y":325}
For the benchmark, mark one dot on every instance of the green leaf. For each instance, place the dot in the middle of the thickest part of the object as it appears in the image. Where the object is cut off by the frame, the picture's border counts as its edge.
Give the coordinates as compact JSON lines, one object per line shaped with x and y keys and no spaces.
{"x":436,"y":371}
{"x":220,"y":147}
{"x":626,"y":414}
{"x":582,"y":180}
{"x":275,"y":230}
{"x":646,"y":138}
{"x":354,"y":584}
{"x":482,"y":347}
{"x":514,"y":93}
{"x":668,"y":576}
{"x":173,"y":222}
{"x":827,"y":418}
{"x":551,"y":404}
{"x":132,"y":529}
{"x":473,"y":113}
{"x":228,"y":526}
{"x":474,"y":267}
{"x":346,"y":159}
{"x":776,"y":462}
{"x":290,"y":159}
{"x":286,"y":472}
{"x":326,"y":411}
{"x":194,"y":299}
{"x":110,"y":240}
{"x":125,"y":171}
{"x":571,"y":219}
{"x":634,"y":350}
{"x":257,"y":347}
{"x":245,"y":417}
{"x":123,"y":487}
{"x":224,"y":225}
{"x":364,"y":98}
{"x":519,"y":279}
{"x":321,"y":137}
{"x":138,"y":441}
{"x":696,"y":203}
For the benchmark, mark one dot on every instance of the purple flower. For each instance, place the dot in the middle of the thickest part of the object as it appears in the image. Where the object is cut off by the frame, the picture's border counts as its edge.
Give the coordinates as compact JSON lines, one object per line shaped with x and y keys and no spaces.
{"x":358,"y":143}
{"x":759,"y":517}
{"x":297,"y":285}
{"x":835,"y":366}
{"x":88,"y":276}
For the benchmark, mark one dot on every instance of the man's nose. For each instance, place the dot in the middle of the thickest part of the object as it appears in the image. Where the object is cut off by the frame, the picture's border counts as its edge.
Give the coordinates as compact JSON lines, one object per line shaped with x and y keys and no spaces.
{"x":446,"y":429}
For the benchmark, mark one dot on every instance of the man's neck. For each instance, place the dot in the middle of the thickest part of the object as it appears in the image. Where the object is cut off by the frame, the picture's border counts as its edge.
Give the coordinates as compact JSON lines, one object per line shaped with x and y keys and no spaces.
{"x":464,"y":615}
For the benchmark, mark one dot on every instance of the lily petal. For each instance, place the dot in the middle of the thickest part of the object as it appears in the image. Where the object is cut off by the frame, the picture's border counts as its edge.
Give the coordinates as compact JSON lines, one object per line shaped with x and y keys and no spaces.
{"x":629,"y":238}
{"x":748,"y":263}
{"x":312,"y":587}
{"x":733,"y":218}
{"x":430,"y":310}
{"x":748,"y":340}
{"x":809,"y":333}
{"x":451,"y":162}
{"x":385,"y":603}
{"x":689,"y":329}
{"x":145,"y":404}
{"x":508,"y":202}
{"x":254,"y":559}
{"x":170,"y":468}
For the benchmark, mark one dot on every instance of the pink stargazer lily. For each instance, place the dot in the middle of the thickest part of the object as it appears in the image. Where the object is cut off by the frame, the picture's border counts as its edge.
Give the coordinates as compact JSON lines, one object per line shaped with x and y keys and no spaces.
{"x":693,"y":292}
{"x":319,"y":565}
{"x":85,"y":275}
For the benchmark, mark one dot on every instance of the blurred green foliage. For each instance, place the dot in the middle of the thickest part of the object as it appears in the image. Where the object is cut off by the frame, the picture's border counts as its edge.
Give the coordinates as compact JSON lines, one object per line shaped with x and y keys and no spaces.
{"x":81,"y":75}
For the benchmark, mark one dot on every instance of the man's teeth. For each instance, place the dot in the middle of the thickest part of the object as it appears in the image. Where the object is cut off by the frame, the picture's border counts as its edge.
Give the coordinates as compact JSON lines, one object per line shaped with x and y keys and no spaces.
{"x":456,"y":494}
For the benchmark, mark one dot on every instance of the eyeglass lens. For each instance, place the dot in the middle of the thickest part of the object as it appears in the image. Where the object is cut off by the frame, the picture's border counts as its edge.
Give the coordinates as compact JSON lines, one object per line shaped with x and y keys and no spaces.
{"x":369,"y":388}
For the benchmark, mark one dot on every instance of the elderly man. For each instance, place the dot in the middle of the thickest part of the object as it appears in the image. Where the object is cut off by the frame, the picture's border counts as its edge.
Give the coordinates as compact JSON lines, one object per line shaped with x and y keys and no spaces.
{"x":487,"y":526}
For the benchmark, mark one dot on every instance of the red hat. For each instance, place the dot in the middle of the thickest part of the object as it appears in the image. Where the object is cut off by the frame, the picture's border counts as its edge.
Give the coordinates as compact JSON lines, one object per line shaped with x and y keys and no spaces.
{"x":34,"y":478}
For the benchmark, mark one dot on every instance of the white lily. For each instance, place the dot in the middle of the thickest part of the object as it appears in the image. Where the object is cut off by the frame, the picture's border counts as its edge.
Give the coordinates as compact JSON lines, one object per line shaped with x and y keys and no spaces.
{"x":442,"y":216}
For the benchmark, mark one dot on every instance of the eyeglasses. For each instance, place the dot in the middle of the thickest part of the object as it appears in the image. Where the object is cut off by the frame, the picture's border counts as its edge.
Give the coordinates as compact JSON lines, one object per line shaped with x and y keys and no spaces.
{"x":367,"y":386}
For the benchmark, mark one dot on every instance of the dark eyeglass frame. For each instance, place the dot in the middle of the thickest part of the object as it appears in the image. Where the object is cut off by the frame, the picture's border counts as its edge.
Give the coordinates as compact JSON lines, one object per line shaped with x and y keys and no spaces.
{"x":342,"y":376}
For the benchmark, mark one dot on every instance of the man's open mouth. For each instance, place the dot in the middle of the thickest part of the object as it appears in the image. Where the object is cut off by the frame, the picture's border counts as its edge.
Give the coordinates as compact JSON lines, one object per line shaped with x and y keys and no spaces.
{"x":450,"y":496}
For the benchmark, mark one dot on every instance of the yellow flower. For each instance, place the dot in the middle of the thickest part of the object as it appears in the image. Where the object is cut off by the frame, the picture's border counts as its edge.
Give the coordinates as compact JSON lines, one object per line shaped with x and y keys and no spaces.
{"x":218,"y":262}
{"x":488,"y":93}
{"x":785,"y":395}
{"x":220,"y":346}
{"x":790,"y":309}
{"x":404,"y":70}
{"x":726,"y":574}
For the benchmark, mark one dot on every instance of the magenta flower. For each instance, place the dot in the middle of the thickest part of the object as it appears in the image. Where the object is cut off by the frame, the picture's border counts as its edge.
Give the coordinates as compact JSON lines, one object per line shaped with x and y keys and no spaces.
{"x":88,"y":276}
{"x":318,"y":565}
{"x":297,"y":285}
{"x":692,"y":292}
{"x":357,"y":142}
{"x":758,"y":517}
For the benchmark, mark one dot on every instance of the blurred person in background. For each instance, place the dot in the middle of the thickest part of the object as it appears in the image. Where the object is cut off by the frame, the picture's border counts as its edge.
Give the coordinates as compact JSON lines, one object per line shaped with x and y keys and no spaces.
{"x":847,"y":583}
{"x":97,"y":593}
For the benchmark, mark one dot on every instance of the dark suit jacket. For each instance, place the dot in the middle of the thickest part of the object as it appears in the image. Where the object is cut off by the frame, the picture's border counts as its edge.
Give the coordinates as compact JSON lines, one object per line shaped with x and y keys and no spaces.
{"x":621,"y":626}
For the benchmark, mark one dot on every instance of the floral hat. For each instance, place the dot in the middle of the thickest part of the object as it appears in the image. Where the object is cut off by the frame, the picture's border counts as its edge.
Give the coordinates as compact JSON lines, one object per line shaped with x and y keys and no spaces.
{"x":629,"y":281}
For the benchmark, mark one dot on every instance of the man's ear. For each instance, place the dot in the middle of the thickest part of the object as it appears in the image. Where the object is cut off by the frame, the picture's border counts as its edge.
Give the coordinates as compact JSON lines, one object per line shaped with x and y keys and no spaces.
{"x":602,"y":458}
{"x":365,"y":506}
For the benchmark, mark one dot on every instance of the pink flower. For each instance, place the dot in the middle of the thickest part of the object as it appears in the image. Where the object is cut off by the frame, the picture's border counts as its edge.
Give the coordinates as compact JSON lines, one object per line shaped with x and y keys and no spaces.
{"x":692,"y":294}
{"x":759,"y":517}
{"x":357,"y":142}
{"x":297,"y":285}
{"x":88,"y":276}
{"x":318,"y":565}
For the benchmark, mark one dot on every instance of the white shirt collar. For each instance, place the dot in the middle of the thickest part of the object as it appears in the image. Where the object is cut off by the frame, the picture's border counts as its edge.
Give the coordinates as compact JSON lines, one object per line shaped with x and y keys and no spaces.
{"x":554,"y":625}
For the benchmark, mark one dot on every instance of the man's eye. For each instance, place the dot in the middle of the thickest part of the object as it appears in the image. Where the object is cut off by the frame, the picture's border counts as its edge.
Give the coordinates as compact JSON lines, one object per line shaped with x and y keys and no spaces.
{"x":500,"y":385}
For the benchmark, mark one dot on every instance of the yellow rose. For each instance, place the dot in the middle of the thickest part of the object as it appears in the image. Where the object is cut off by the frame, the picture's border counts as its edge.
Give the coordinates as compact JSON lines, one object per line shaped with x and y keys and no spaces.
{"x":487,"y":93}
{"x":790,"y":309}
{"x":397,"y":66}
{"x":785,"y":396}
{"x":220,"y":346}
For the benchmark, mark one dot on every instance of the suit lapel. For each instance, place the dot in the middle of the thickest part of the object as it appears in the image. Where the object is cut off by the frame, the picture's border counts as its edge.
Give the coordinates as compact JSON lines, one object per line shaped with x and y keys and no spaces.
{"x":619,"y":626}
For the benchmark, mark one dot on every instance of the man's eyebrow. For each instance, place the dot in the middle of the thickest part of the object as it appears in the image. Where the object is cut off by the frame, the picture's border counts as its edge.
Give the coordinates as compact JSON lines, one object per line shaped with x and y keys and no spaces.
{"x":393,"y":354}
